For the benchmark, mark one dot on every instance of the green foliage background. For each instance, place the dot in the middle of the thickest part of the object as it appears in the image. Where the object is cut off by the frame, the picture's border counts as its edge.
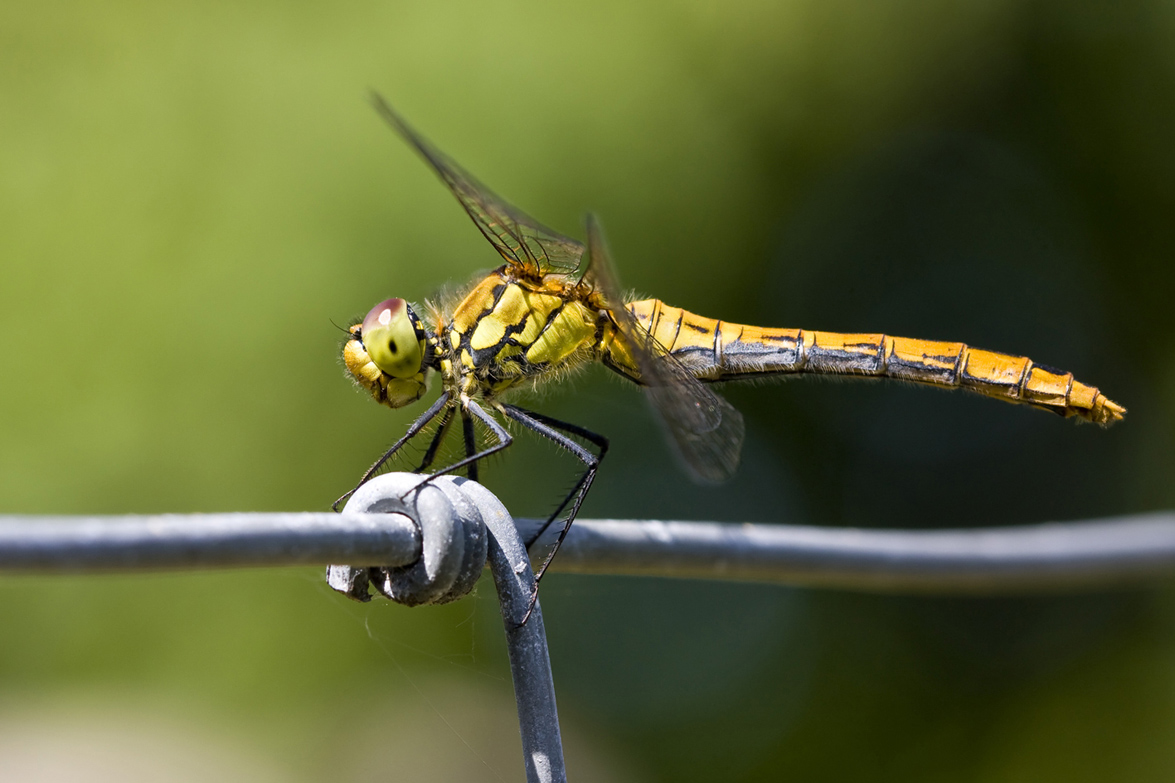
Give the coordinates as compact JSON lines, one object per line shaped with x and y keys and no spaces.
{"x":190,"y":194}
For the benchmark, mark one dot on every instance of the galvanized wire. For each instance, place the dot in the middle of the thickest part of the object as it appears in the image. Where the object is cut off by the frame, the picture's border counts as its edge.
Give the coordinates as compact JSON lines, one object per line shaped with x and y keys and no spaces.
{"x":1039,"y":557}
{"x":177,"y":541}
{"x":1054,"y":556}
{"x":1050,"y":557}
{"x":464,"y":528}
{"x":530,"y":660}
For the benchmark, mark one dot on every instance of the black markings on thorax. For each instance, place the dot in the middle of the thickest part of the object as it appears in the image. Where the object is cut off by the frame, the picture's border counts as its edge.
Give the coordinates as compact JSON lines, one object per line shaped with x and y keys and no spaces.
{"x":488,"y":364}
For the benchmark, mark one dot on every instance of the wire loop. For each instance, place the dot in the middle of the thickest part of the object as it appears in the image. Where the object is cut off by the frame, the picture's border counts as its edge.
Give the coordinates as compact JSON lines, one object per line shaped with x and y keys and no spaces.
{"x":453,"y":542}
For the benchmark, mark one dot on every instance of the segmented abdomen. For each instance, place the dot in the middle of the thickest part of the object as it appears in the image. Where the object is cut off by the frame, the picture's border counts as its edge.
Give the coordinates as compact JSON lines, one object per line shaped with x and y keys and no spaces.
{"x":717,"y":351}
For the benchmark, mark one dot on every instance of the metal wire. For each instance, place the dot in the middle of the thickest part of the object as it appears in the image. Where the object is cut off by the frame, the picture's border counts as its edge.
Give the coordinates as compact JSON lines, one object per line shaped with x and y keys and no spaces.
{"x":464,"y":527}
{"x":530,"y":660}
{"x":1039,"y":557}
{"x":173,"y":541}
{"x":1052,"y":556}
{"x":988,"y":560}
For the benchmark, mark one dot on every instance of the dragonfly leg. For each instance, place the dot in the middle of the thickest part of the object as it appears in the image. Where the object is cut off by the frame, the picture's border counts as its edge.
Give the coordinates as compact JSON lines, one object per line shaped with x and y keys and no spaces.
{"x":470,"y":443}
{"x":412,"y":432}
{"x":550,"y":429}
{"x":437,"y":440}
{"x":553,"y":430}
{"x":469,"y":410}
{"x":473,"y":410}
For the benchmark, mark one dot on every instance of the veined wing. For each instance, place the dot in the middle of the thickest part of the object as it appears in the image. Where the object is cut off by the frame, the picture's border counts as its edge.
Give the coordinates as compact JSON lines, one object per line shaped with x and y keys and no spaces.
{"x":707,"y":429}
{"x":524,"y":242}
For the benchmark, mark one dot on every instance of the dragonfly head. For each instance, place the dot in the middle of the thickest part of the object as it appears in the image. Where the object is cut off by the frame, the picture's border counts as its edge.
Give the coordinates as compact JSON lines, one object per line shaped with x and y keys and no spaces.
{"x":385,"y":354}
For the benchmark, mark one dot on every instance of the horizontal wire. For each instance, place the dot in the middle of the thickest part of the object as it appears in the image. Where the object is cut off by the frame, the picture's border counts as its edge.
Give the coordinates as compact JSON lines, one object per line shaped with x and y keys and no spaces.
{"x":989,"y":560}
{"x":1052,"y":556}
{"x":178,"y":541}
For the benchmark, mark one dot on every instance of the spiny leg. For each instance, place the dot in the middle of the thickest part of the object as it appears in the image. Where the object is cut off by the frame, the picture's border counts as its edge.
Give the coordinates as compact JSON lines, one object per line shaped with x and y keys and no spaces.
{"x":437,"y":440}
{"x":549,"y":428}
{"x":470,"y":443}
{"x":471,"y":408}
{"x":412,"y":432}
{"x":599,"y":441}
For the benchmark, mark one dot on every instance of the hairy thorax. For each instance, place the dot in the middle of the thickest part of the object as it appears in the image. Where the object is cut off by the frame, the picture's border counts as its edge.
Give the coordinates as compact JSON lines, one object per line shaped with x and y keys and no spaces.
{"x":508,"y":331}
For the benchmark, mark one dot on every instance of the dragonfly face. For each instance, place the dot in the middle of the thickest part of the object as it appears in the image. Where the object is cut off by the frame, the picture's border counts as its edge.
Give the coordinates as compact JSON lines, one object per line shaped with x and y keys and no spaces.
{"x":386,"y":354}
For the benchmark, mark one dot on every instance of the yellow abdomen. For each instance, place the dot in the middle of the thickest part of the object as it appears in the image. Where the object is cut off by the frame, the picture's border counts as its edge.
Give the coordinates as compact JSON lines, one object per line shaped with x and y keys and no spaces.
{"x":716,"y":351}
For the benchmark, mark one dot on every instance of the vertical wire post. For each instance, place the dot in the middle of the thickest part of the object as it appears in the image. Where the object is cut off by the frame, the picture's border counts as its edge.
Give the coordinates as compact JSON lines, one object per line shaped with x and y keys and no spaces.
{"x":530,"y":661}
{"x":453,"y":515}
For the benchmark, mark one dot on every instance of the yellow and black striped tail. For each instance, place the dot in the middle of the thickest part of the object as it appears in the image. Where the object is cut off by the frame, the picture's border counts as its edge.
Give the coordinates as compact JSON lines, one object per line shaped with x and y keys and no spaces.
{"x":717,"y":351}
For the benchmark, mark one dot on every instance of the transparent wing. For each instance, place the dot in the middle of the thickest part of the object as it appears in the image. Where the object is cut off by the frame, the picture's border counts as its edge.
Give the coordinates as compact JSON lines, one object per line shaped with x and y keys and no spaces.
{"x":706,"y":429}
{"x":523,"y":241}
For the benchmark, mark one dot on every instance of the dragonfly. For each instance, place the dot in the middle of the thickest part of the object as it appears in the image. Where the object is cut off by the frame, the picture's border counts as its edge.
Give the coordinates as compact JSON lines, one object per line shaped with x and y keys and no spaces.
{"x":555,"y":305}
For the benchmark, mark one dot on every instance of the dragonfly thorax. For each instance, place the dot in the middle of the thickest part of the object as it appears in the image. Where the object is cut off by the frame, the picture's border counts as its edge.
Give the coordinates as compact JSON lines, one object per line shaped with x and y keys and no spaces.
{"x":508,"y":332}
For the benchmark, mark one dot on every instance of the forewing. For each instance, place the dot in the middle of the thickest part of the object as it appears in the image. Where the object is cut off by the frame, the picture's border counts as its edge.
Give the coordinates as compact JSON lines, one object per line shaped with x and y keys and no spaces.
{"x":522,"y":240}
{"x":706,"y":429}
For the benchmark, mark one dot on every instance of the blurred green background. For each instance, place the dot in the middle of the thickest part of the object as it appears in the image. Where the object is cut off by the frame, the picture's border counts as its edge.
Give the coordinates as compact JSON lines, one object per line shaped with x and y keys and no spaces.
{"x":191,"y":193}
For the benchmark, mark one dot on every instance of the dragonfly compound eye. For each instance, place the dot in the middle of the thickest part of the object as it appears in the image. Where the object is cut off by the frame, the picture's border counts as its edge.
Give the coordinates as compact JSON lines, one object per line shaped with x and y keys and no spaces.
{"x":390,"y":336}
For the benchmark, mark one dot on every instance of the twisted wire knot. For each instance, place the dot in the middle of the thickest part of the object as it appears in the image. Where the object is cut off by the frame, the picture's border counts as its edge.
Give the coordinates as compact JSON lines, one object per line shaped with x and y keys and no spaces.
{"x":453,"y":541}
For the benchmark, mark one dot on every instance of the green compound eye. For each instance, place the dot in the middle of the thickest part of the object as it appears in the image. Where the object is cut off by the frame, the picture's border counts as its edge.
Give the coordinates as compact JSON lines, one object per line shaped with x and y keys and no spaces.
{"x":390,"y":339}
